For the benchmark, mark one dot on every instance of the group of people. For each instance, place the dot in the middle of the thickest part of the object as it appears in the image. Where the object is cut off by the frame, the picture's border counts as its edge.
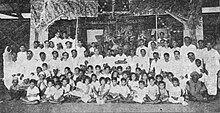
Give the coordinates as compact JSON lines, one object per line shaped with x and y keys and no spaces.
{"x":63,"y":69}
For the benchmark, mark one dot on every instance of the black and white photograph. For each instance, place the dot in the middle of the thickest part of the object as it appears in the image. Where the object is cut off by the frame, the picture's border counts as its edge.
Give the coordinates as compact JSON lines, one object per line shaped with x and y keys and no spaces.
{"x":72,"y":56}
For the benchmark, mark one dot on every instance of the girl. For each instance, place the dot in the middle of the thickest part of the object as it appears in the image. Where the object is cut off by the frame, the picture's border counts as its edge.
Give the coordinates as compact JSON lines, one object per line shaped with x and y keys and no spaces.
{"x":66,"y":86}
{"x":152,"y":91}
{"x":32,"y":96}
{"x":144,"y":77}
{"x":175,"y":93}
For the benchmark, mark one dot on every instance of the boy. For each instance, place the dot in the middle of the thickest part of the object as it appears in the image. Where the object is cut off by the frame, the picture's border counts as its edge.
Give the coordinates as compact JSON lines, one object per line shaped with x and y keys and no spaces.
{"x":195,"y":89}
{"x":175,"y":93}
{"x":163,"y":93}
{"x":58,"y":95}
{"x":152,"y":91}
{"x":124,"y":91}
{"x":33,"y":92}
{"x":50,"y":90}
{"x":15,"y":90}
{"x":114,"y":91}
{"x":140,"y":93}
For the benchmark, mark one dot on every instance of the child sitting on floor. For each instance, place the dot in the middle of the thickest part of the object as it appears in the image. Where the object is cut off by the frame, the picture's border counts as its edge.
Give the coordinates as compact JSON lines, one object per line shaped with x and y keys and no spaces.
{"x":163,"y":93}
{"x":58,"y":94}
{"x":15,"y":90}
{"x":66,"y":86}
{"x":133,"y":82}
{"x":152,"y":91}
{"x":140,"y":92}
{"x":33,"y":92}
{"x":113,"y":95}
{"x":49,"y":92}
{"x":103,"y":90}
{"x":125,"y":93}
{"x":175,"y":93}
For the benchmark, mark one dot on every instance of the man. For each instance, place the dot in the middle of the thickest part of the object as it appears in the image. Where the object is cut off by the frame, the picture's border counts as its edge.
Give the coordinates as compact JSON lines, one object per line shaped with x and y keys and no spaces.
{"x":141,"y":46}
{"x":75,"y":59}
{"x":68,"y":47}
{"x":195,"y":89}
{"x":177,"y":65}
{"x":152,"y":49}
{"x":132,"y":60}
{"x":43,"y":59}
{"x":21,"y":55}
{"x":155,"y":64}
{"x":65,"y":62}
{"x":211,"y":60}
{"x":80,"y":49}
{"x":29,"y":64}
{"x":54,"y":63}
{"x":187,"y":47}
{"x":47,"y":50}
{"x":190,"y":64}
{"x":165,"y":64}
{"x":109,"y":59}
{"x":200,"y":50}
{"x":36,"y":50}
{"x":143,"y":61}
{"x":56,"y":39}
{"x":67,"y":38}
{"x":96,"y":59}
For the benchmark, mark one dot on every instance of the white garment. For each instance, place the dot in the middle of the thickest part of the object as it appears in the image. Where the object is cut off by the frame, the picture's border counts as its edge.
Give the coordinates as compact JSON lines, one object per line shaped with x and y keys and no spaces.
{"x":143,"y":63}
{"x":58,"y":93}
{"x":50,"y":91}
{"x":184,"y":50}
{"x":132,"y":61}
{"x":96,"y":60}
{"x":141,"y":93}
{"x":155,"y":65}
{"x":32,"y":91}
{"x":114,"y":89}
{"x":124,"y":91}
{"x":152,"y":91}
{"x":211,"y":59}
{"x":133,"y":84}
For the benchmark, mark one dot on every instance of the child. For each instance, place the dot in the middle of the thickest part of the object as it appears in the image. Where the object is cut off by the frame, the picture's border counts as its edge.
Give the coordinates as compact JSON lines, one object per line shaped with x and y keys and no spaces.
{"x":133,"y":83}
{"x":152,"y":90}
{"x":66,"y":86}
{"x":89,"y":71}
{"x":124,"y":91}
{"x":25,"y":84}
{"x":144,"y":77}
{"x":175,"y":93}
{"x":46,"y":70}
{"x":168,"y":80}
{"x":33,"y":92}
{"x":71,"y":81}
{"x":163,"y":93}
{"x":102,"y":92}
{"x":86,"y":90}
{"x":158,"y":79}
{"x":140,"y":93}
{"x":49,"y":92}
{"x":113,"y":95}
{"x":42,"y":83}
{"x":58,"y":95}
{"x":115,"y":75}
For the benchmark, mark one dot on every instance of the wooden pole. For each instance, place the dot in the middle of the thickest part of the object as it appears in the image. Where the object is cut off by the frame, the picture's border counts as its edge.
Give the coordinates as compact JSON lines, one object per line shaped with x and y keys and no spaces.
{"x":156,"y":26}
{"x":76,"y":35}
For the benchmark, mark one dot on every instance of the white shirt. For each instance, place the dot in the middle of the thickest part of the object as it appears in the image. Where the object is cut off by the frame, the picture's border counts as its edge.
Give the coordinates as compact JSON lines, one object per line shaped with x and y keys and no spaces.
{"x":50,"y":91}
{"x":133,"y":84}
{"x":184,"y":50}
{"x":175,"y":91}
{"x":66,"y":88}
{"x":141,"y":93}
{"x":56,"y":40}
{"x":152,"y":91}
{"x":32,"y":91}
{"x":114,"y":89}
{"x":58,"y":93}
{"x":124,"y":91}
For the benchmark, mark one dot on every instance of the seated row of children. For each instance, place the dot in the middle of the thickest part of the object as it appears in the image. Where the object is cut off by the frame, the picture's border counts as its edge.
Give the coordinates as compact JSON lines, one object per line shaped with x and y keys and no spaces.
{"x":128,"y":87}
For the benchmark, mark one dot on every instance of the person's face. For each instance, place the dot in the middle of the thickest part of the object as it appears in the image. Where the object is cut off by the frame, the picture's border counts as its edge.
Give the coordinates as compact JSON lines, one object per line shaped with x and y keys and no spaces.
{"x":64,"y":35}
{"x":170,"y":77}
{"x":166,"y":57}
{"x":39,"y":70}
{"x":162,"y":43}
{"x":191,"y":57}
{"x":195,"y":78}
{"x":153,"y":45}
{"x":80,"y":44}
{"x":15,"y":83}
{"x":141,"y":43}
{"x":144,"y":77}
{"x":175,"y":83}
{"x":201,"y":44}
{"x":141,"y":85}
{"x":153,"y":39}
{"x":174,"y":44}
{"x":125,"y":75}
{"x":94,"y":78}
{"x":128,"y":68}
{"x":51,"y":44}
{"x":187,"y":41}
{"x":29,"y":55}
{"x":68,"y":45}
{"x":96,"y":51}
{"x":114,"y":82}
{"x":55,"y":55}
{"x":87,"y":81}
{"x":44,"y":68}
{"x":152,"y":82}
{"x":69,"y":75}
{"x":161,"y":86}
{"x":66,"y":71}
{"x":36,"y":45}
{"x":198,"y":63}
{"x":22,"y":48}
{"x":74,"y":54}
{"x":123,"y":82}
{"x":158,"y":79}
{"x":76,"y":70}
{"x":32,"y":85}
{"x":133,"y":77}
{"x":47,"y":44}
{"x":155,"y":56}
{"x":143,"y":53}
{"x":43,"y":57}
{"x":65,"y":56}
{"x":86,"y":53}
{"x":58,"y":86}
{"x":209,"y":46}
{"x":50,"y":84}
{"x":176,"y":55}
{"x":103,"y":82}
